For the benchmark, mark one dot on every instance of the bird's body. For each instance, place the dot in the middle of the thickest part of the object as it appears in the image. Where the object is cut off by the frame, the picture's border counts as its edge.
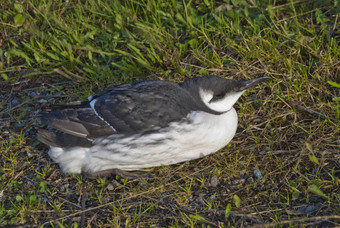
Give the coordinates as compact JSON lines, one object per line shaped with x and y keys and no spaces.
{"x":145,"y":124}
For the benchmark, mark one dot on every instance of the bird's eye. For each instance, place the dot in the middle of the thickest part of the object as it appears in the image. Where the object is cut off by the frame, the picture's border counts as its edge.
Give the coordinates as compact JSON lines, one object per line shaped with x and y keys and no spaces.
{"x":218,"y":96}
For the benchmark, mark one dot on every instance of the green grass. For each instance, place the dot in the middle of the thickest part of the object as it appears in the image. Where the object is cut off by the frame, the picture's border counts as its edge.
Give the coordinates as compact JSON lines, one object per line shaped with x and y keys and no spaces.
{"x":58,"y":51}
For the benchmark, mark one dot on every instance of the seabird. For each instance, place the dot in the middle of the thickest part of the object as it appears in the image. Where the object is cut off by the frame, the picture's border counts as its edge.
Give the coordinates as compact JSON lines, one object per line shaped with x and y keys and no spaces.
{"x":144,"y":124}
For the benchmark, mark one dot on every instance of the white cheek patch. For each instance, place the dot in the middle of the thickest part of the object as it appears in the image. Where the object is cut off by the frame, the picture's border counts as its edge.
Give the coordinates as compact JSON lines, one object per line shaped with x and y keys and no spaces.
{"x":206,"y":96}
{"x":221,"y":105}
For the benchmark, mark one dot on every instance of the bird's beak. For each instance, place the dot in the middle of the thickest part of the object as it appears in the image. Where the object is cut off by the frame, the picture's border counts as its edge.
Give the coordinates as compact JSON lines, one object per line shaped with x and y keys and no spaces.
{"x":252,"y":82}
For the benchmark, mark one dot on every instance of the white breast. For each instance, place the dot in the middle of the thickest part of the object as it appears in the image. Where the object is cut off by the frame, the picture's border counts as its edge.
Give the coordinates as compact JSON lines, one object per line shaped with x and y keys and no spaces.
{"x":199,"y":135}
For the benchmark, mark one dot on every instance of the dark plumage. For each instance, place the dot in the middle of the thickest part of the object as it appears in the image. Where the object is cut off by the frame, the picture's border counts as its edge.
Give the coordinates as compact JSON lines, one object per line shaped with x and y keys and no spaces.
{"x":127,"y":115}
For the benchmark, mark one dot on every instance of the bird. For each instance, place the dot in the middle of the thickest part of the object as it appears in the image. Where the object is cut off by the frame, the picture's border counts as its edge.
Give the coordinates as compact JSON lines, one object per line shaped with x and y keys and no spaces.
{"x":144,"y":124}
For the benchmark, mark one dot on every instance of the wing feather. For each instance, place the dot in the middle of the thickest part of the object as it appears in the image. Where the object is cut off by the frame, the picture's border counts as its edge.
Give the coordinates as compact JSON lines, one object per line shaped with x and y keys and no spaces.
{"x":80,"y":122}
{"x":123,"y":109}
{"x":144,"y":106}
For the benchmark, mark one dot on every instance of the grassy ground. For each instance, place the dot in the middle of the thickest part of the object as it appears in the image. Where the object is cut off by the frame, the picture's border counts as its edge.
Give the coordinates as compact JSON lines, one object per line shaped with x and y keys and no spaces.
{"x":282,"y":168}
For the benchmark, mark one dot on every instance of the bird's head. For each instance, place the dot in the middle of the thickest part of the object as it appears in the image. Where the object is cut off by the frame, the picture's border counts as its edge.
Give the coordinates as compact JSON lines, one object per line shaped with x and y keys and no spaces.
{"x":217,"y":93}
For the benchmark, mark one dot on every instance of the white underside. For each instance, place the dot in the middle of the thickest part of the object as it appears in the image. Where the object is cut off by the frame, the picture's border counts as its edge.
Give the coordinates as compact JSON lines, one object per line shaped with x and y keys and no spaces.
{"x":199,"y":135}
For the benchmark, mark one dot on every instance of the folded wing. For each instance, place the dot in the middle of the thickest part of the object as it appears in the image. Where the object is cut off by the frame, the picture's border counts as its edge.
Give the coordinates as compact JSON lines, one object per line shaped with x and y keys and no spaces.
{"x":123,"y":109}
